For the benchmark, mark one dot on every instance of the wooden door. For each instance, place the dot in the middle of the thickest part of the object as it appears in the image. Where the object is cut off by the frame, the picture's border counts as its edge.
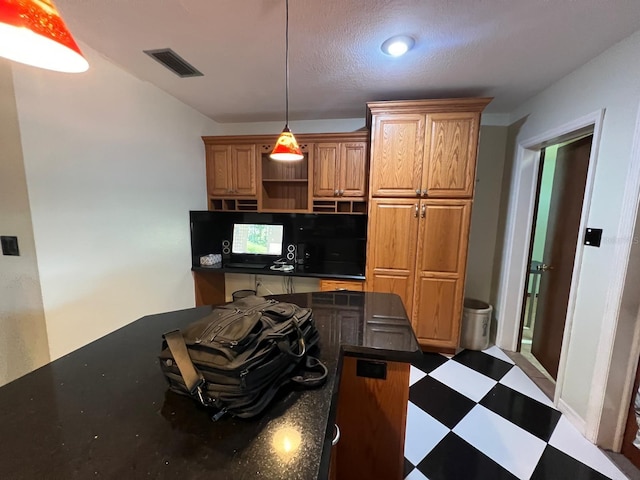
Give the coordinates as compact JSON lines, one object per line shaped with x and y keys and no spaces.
{"x":352,"y":173}
{"x":441,"y":266}
{"x":451,"y":143}
{"x":565,"y":209}
{"x":325,"y":170}
{"x":391,"y":247}
{"x":219,"y":179}
{"x":397,"y":143}
{"x":243,"y":168}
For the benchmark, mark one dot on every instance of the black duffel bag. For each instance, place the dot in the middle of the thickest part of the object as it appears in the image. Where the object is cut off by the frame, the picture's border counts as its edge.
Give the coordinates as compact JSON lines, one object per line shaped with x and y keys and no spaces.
{"x":237,"y":357}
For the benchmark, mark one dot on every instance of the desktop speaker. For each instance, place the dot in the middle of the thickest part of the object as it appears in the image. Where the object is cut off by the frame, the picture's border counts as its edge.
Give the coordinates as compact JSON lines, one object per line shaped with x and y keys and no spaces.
{"x":291,"y":254}
{"x":300,"y":254}
{"x":226,"y":251}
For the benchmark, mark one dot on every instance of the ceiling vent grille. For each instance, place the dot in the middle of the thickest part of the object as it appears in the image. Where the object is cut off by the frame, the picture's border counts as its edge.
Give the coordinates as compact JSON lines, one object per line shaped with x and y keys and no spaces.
{"x":173,"y":62}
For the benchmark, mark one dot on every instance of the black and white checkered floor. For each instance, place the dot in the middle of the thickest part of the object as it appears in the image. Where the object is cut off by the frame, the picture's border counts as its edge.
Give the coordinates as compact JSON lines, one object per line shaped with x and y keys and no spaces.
{"x":478,"y":416}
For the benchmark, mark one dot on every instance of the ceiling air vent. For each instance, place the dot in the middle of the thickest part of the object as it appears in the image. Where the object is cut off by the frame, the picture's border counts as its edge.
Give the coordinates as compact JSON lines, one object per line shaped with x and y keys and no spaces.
{"x":173,"y":62}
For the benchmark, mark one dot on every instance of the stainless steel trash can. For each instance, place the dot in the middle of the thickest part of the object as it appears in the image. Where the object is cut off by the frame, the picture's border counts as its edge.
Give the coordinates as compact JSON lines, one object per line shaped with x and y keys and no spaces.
{"x":476,"y":324}
{"x":238,"y":294}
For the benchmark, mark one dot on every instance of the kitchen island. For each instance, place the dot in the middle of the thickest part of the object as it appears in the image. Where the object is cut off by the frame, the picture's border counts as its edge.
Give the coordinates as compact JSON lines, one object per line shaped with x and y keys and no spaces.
{"x":104,"y":411}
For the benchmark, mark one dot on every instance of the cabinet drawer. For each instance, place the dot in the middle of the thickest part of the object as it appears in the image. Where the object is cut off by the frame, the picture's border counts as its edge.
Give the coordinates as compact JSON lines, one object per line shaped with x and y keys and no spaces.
{"x":331,"y":285}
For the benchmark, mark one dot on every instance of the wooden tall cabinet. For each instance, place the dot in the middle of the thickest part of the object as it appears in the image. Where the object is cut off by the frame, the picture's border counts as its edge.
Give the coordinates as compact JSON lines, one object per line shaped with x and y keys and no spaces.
{"x":422,"y":177}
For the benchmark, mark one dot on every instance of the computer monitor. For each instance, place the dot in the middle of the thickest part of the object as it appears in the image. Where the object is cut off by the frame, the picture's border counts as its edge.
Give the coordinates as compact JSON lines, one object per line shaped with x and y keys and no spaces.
{"x":257,"y":239}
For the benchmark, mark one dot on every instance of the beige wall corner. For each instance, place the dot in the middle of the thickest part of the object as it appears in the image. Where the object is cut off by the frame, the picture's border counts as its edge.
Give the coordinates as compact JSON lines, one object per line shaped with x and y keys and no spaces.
{"x":485,"y":213}
{"x":23,"y":332}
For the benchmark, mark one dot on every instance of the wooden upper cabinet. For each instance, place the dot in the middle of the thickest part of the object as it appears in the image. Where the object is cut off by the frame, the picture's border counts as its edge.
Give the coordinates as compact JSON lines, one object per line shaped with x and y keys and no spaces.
{"x":425,"y":148}
{"x":340,"y":169}
{"x":243,"y":170}
{"x":331,"y":178}
{"x":325,"y":170}
{"x":231,"y":170}
{"x":218,"y":175}
{"x":451,"y":141}
{"x":397,"y":155}
{"x":353,"y":169}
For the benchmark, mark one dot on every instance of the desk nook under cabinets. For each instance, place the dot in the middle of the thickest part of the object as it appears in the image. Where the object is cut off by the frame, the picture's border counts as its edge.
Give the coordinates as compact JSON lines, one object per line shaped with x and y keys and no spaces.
{"x":412,"y":175}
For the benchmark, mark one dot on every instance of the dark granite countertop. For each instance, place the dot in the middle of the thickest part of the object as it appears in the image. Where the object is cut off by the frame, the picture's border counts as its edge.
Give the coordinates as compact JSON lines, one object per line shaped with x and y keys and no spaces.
{"x":104,"y":411}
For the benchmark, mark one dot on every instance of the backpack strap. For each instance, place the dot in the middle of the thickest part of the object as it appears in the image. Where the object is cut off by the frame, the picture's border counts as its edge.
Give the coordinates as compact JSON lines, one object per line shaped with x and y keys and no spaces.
{"x":312,"y":364}
{"x":193,"y":379}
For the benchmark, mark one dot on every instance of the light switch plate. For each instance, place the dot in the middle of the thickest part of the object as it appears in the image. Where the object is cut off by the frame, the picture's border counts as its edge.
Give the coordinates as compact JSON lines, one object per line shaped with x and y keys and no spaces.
{"x":9,"y":245}
{"x":593,"y":237}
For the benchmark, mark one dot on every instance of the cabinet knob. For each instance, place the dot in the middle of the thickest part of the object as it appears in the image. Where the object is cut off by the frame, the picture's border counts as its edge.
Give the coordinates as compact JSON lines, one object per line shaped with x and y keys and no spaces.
{"x":417,"y":191}
{"x":336,"y":193}
{"x":424,"y":210}
{"x":425,"y":192}
{"x":341,"y":192}
{"x":415,"y":214}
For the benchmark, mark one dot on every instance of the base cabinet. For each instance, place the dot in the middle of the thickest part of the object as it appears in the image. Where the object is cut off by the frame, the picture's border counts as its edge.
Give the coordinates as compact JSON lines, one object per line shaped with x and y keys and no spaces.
{"x":418,"y":249}
{"x":372,"y":416}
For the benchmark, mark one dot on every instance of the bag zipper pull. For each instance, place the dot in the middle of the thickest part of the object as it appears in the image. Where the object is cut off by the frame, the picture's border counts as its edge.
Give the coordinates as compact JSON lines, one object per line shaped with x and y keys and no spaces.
{"x":219,"y":415}
{"x":243,"y":382}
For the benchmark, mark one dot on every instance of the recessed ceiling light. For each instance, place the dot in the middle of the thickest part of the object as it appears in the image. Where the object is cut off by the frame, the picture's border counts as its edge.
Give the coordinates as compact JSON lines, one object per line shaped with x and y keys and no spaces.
{"x":398,"y":45}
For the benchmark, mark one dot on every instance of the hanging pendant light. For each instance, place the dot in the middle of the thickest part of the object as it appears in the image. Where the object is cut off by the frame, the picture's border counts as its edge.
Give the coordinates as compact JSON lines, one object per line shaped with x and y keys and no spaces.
{"x":286,"y":149}
{"x":33,"y":32}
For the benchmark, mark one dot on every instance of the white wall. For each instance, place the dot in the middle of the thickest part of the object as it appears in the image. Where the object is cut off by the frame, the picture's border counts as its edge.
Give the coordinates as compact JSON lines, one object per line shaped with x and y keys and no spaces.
{"x":300,"y":126}
{"x":113,"y":167}
{"x":609,"y":81}
{"x":23,"y":333}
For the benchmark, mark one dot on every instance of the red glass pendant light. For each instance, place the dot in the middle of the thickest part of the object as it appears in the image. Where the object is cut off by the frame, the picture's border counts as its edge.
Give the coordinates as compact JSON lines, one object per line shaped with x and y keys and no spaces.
{"x":33,"y":32}
{"x":287,"y":148}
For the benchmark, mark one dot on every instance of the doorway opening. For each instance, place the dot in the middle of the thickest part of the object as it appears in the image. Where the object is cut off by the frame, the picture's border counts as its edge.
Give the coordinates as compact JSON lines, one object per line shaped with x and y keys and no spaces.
{"x":555,"y":234}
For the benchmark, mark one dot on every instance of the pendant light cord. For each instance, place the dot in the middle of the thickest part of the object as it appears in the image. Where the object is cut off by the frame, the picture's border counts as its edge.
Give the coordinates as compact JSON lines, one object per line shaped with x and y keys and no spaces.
{"x":286,"y":63}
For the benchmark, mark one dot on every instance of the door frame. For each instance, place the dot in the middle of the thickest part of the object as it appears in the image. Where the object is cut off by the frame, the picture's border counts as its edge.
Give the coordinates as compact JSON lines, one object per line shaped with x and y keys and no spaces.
{"x":522,"y":200}
{"x":606,"y":426}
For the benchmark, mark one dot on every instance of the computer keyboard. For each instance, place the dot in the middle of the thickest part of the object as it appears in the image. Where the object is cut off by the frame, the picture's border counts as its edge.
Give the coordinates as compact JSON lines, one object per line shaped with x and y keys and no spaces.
{"x":244,"y":265}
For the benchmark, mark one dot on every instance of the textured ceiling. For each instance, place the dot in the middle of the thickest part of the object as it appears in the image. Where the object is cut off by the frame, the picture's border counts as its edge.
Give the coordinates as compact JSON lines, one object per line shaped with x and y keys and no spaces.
{"x":507,"y":49}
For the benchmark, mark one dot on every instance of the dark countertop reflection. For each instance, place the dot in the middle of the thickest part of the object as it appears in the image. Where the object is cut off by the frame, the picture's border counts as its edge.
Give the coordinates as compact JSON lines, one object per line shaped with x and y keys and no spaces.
{"x":104,"y":411}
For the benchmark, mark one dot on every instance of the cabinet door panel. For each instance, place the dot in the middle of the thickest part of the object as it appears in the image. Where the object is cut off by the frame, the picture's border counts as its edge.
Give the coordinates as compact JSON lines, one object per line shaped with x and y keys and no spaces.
{"x":391,"y":247}
{"x":372,"y":416}
{"x":243,"y":166}
{"x":451,"y":142}
{"x":443,"y":237}
{"x":442,"y":253}
{"x":325,"y":169}
{"x":437,"y":311}
{"x":353,"y":169}
{"x":398,"y":148}
{"x":218,"y":174}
